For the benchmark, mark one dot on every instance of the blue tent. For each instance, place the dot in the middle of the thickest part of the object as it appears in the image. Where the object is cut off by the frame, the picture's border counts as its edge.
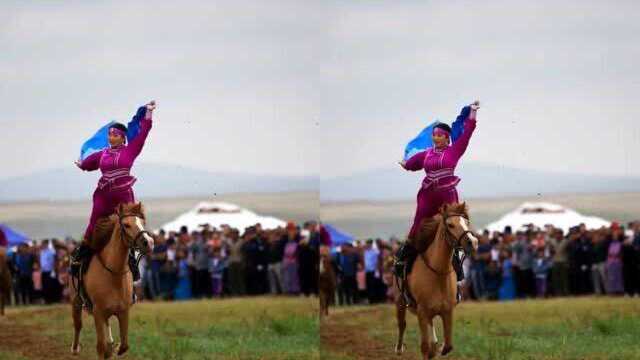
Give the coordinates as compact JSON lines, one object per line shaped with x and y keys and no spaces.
{"x":13,"y":237}
{"x":337,"y":237}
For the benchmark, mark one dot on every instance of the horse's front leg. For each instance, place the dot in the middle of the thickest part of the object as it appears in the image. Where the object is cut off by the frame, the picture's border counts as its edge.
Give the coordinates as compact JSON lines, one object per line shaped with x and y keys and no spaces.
{"x":101,"y":336}
{"x":110,"y":341}
{"x":447,"y":324}
{"x":427,"y":345}
{"x":123,"y":321}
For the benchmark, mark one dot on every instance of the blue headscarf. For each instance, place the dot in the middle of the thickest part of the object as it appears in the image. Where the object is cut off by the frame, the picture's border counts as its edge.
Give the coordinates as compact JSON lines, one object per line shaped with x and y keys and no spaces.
{"x":424,"y":141}
{"x":100,"y":140}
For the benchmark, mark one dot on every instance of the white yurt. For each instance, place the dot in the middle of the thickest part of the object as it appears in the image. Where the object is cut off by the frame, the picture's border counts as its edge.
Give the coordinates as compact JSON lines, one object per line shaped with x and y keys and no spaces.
{"x":217,"y":214}
{"x":542,"y":213}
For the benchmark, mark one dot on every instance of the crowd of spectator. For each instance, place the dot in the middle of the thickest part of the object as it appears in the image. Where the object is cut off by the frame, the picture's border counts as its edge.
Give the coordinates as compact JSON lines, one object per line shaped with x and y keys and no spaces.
{"x":532,"y":262}
{"x":202,"y":263}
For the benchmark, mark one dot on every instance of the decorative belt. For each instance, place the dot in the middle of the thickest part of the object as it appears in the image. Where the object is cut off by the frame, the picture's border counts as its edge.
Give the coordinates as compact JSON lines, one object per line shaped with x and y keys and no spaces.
{"x":434,"y":178}
{"x":109,"y":178}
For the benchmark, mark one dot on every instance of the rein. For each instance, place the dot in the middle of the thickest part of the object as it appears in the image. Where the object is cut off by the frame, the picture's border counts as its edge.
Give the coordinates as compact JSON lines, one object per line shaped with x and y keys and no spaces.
{"x":131,"y":245}
{"x":452,"y":241}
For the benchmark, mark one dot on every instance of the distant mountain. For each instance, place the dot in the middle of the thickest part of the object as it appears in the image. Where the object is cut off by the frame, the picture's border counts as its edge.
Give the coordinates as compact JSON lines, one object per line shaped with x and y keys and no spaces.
{"x":154,"y":180}
{"x":478,"y":180}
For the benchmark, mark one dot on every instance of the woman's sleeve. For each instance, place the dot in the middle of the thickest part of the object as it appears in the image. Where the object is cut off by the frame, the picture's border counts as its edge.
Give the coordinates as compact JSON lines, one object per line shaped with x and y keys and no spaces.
{"x":460,"y":145}
{"x":136,"y":145}
{"x":416,"y":162}
{"x":92,"y":162}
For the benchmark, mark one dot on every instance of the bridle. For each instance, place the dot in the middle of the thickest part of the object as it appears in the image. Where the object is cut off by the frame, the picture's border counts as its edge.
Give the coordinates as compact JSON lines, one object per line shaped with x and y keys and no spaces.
{"x":130,"y":242}
{"x":454,"y":242}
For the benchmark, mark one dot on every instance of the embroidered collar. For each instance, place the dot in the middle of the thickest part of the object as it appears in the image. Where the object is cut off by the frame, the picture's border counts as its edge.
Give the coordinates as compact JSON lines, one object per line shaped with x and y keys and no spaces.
{"x":438,"y":151}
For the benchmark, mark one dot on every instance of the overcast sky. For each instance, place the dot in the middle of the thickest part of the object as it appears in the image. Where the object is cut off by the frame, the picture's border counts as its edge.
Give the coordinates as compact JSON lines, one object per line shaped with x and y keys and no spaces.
{"x":558,"y":81}
{"x":301,"y":87}
{"x":235,"y":81}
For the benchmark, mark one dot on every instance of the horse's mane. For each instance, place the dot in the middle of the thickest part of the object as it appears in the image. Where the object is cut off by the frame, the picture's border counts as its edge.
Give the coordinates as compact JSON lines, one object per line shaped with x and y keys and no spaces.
{"x":104,"y":226}
{"x":429,"y":226}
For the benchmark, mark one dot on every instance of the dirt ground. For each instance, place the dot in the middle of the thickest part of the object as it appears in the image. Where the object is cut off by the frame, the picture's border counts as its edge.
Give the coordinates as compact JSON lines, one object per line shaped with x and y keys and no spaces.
{"x":28,"y":340}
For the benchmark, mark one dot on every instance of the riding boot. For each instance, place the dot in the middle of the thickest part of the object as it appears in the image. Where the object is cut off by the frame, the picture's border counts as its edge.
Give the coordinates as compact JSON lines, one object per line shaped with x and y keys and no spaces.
{"x":134,"y":266}
{"x":457,"y":266}
{"x":80,"y":259}
{"x":403,"y":260}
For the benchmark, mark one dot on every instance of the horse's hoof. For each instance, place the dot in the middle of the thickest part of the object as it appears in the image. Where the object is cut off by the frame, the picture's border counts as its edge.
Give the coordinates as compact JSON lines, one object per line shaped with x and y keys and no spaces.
{"x":122,"y":349}
{"x":400,"y":349}
{"x":446,"y":349}
{"x":109,"y":352}
{"x":76,"y":350}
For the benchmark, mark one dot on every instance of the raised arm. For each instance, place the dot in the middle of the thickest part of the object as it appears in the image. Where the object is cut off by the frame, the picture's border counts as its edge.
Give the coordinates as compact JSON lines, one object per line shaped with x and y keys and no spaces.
{"x":415,"y":163}
{"x":136,"y":145}
{"x":460,"y":145}
{"x":91,"y":163}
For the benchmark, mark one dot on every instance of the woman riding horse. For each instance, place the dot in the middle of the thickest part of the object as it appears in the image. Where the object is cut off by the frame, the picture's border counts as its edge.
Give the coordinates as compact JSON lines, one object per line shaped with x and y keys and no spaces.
{"x":439,"y":185}
{"x":115,"y":185}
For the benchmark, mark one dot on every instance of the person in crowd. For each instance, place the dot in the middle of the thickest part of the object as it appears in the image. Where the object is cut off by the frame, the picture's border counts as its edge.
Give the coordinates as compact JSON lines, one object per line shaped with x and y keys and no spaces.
{"x":47,"y":264}
{"x":308,"y":257}
{"x":582,"y":254}
{"x":237,"y":264}
{"x":615,"y":284}
{"x":560,"y":267}
{"x":541,"y":268}
{"x":276,"y":253}
{"x":183,"y":286}
{"x":158,"y":259}
{"x":492,"y":278}
{"x":347,"y":260}
{"x":630,"y":263}
{"x":257,"y":259}
{"x":290,"y":265}
{"x":202,"y":278}
{"x":507,"y":289}
{"x":372,"y":270}
{"x":600,"y":253}
{"x":216,"y":268}
{"x":23,"y":263}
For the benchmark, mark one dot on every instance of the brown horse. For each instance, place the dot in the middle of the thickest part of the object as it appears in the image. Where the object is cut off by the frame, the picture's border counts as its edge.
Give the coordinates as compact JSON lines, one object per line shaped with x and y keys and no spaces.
{"x":5,"y":279}
{"x":326,"y":281}
{"x":108,"y":281}
{"x":432,"y":280}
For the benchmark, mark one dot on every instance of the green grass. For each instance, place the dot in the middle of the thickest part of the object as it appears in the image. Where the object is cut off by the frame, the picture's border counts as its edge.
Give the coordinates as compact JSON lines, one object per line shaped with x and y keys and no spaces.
{"x":5,"y":355}
{"x":585,"y":328}
{"x":250,"y":328}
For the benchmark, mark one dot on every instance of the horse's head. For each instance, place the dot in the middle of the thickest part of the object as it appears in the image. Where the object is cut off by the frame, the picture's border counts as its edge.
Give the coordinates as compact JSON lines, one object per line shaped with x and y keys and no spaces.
{"x":455,"y":218}
{"x":131,"y":221}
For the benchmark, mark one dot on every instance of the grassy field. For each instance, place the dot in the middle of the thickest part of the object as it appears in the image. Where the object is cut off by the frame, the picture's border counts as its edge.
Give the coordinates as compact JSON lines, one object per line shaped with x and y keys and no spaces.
{"x":585,"y":328}
{"x":250,"y":328}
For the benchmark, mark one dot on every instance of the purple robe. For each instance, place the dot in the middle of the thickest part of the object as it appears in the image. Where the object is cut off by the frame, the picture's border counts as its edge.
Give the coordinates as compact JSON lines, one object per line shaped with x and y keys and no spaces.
{"x":439,"y":186}
{"x":115,"y":185}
